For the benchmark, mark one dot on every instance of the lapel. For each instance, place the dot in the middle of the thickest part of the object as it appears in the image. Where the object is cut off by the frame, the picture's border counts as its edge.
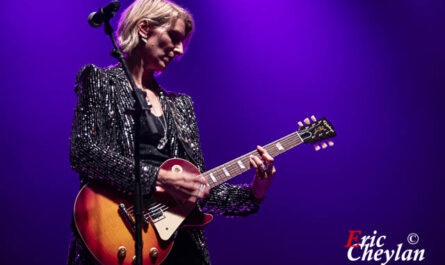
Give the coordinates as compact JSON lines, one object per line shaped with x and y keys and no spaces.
{"x":179,"y":108}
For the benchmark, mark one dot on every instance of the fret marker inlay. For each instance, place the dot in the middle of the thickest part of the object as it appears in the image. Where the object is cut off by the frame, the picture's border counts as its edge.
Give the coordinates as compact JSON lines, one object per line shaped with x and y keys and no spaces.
{"x":279,"y":146}
{"x":226,"y":172}
{"x":241,"y":165}
{"x":212,"y":177}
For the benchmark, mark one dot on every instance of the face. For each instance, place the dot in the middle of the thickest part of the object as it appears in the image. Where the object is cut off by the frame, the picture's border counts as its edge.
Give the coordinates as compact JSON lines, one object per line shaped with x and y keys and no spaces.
{"x":163,"y":44}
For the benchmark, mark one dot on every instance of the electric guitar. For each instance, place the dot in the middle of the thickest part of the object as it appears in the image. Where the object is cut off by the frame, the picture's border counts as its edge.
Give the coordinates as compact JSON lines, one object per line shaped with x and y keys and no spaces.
{"x":105,"y":221}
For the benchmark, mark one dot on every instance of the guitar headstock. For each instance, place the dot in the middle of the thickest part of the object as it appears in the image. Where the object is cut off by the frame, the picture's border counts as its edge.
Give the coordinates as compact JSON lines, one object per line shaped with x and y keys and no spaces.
{"x":317,"y":131}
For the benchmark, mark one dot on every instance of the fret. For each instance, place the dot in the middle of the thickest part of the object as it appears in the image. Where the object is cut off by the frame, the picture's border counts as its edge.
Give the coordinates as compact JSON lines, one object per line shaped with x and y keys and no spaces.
{"x":213,"y":177}
{"x":231,"y":169}
{"x":241,"y":164}
{"x":226,"y":172}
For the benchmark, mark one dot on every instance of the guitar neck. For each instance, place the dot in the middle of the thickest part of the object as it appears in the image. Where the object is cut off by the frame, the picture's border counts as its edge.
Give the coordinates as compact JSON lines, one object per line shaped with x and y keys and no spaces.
{"x":237,"y":166}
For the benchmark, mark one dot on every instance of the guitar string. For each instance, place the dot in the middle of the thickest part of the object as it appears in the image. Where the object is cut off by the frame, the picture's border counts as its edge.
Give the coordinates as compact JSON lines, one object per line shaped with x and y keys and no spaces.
{"x":232,"y":163}
{"x":286,"y":139}
{"x":149,"y":213}
{"x":233,"y":167}
{"x":222,"y":178}
{"x":293,"y":141}
{"x":273,"y":152}
{"x":151,"y":209}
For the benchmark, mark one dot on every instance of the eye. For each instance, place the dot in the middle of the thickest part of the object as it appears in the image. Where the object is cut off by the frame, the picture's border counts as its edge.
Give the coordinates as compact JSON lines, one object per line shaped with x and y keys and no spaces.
{"x":175,"y":36}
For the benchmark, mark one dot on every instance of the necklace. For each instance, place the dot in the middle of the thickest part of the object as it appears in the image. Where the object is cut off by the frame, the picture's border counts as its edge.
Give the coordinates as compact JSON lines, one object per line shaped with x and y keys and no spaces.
{"x":163,"y":140}
{"x":163,"y":121}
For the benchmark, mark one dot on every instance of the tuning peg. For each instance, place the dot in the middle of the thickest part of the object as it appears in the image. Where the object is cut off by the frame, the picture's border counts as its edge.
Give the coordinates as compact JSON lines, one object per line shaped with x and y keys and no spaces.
{"x":313,"y":118}
{"x":300,"y":124}
{"x":307,"y":121}
{"x":324,"y":145}
{"x":317,"y":147}
{"x":330,"y":143}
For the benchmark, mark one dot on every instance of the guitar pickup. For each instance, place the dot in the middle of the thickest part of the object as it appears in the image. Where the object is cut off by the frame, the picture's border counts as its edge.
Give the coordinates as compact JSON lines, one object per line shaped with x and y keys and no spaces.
{"x":157,"y":215}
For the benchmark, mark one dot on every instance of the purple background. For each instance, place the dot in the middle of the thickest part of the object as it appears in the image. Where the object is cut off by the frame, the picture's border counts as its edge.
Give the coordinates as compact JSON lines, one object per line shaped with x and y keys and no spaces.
{"x":254,"y":68}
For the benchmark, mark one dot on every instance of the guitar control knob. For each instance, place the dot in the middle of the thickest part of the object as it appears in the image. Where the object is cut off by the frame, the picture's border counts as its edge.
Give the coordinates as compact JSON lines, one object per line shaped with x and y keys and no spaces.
{"x":154,"y":253}
{"x":122,"y":252}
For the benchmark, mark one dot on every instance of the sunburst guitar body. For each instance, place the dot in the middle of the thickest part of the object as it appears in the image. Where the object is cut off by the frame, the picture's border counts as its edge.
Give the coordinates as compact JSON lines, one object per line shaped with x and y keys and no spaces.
{"x":104,"y":221}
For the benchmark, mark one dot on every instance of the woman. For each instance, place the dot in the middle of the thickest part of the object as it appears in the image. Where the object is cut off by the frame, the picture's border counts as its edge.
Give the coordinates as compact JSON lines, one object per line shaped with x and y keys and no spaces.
{"x":151,"y":33}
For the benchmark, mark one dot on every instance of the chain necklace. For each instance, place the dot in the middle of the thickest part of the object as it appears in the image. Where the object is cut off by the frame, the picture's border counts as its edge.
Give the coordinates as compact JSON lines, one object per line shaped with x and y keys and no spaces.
{"x":163,"y":140}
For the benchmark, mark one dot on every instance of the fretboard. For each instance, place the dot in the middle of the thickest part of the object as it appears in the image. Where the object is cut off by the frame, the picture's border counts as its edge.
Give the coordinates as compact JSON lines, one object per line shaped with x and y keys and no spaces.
{"x":237,"y":166}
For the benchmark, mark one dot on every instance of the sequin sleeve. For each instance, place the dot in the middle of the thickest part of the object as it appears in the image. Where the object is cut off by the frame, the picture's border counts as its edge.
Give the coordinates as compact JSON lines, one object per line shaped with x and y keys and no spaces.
{"x":231,"y":200}
{"x":92,"y":152}
{"x":225,"y":199}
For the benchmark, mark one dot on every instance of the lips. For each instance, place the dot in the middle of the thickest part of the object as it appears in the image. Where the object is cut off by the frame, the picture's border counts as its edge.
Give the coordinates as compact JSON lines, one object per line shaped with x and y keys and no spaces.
{"x":167,"y":59}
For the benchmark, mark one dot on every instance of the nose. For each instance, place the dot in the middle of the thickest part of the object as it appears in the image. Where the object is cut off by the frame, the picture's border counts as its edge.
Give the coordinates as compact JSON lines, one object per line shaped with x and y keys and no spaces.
{"x":179,"y":49}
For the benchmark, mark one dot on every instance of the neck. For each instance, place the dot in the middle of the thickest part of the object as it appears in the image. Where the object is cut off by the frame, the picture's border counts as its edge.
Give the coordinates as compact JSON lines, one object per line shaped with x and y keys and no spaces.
{"x":142,"y":77}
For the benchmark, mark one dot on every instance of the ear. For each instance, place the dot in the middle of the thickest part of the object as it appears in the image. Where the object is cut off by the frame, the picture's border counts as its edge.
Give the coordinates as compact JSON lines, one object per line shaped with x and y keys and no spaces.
{"x":143,"y":29}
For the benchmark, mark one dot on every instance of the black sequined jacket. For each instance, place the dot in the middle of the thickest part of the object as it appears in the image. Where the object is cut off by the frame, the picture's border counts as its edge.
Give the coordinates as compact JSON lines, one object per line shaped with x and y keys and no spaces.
{"x":102,"y":147}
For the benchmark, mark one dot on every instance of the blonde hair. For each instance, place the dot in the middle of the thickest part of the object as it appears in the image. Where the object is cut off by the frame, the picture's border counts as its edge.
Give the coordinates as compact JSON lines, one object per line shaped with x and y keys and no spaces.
{"x":156,"y":13}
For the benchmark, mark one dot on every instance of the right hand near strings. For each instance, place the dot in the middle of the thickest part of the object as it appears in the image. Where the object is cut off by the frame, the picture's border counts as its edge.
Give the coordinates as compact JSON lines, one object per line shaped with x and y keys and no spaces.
{"x":184,"y":187}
